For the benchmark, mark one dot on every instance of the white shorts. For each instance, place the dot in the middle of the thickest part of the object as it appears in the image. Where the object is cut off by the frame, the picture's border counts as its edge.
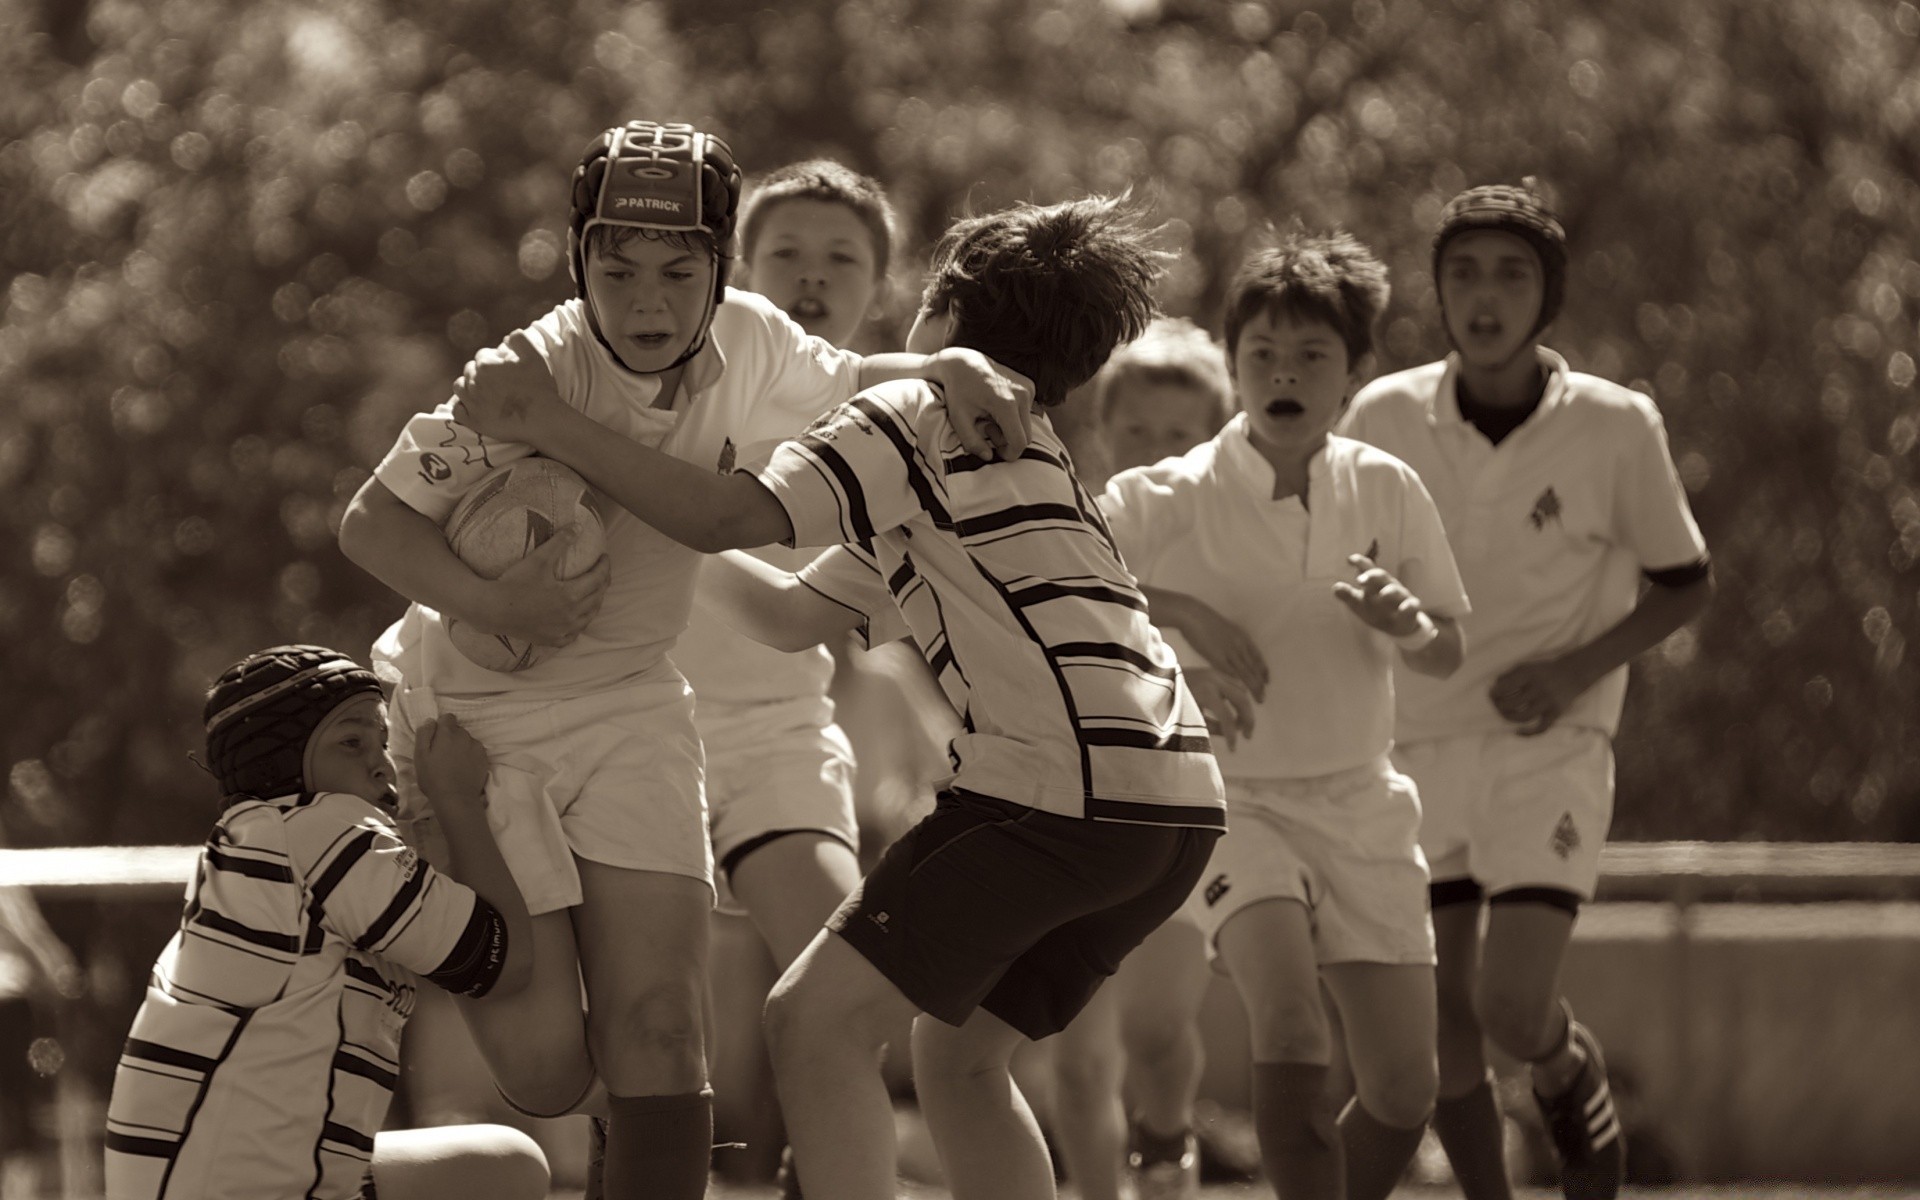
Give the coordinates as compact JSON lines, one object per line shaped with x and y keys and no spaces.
{"x":612,"y":777}
{"x":774,"y":768}
{"x":1515,"y":812}
{"x":1346,"y":845}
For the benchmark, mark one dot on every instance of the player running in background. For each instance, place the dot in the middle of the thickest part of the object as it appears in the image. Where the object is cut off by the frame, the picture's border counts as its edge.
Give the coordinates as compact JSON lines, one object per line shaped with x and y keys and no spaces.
{"x":1327,"y":556}
{"x":264,"y":1056}
{"x":1127,"y":1070}
{"x":1576,"y":543}
{"x":816,"y":238}
{"x":1085,"y":802}
{"x":596,"y":791}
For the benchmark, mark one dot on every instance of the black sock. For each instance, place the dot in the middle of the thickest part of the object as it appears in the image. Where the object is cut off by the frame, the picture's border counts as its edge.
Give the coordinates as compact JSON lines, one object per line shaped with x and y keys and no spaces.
{"x":1154,"y":1147}
{"x":1377,"y":1153}
{"x":1469,"y":1127}
{"x":1299,"y":1137}
{"x":659,"y":1147}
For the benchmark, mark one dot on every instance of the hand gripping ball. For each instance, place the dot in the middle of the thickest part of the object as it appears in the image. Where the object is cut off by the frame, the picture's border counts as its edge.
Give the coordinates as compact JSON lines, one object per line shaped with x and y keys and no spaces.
{"x":511,"y":512}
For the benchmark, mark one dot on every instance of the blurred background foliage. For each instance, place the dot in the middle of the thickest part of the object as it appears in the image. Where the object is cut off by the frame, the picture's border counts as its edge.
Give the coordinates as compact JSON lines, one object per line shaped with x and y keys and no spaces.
{"x":241,"y":239}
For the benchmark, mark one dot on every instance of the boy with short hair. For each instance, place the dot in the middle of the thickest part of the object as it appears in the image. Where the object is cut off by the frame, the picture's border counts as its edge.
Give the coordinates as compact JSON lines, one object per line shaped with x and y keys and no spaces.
{"x":1578,"y":547}
{"x":596,"y":788}
{"x":265,"y":1054}
{"x":1329,"y":555}
{"x":1085,"y":801}
{"x":1158,"y":397}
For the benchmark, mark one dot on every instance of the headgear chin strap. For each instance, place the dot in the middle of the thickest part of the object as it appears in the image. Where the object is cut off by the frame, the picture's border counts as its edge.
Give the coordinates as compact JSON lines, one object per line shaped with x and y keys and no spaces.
{"x":667,"y":178}
{"x":1522,"y":212}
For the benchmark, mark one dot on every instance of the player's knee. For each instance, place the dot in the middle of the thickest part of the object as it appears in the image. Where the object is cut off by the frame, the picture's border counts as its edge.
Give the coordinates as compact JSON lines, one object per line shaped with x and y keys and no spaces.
{"x":1291,"y":1029}
{"x":662,"y":1025}
{"x":1403,"y":1097}
{"x":1086,"y":1078}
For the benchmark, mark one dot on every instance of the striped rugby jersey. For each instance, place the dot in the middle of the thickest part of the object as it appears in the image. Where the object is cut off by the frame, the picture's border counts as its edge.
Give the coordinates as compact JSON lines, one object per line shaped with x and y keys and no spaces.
{"x":264,"y":1056}
{"x":1008,"y":579}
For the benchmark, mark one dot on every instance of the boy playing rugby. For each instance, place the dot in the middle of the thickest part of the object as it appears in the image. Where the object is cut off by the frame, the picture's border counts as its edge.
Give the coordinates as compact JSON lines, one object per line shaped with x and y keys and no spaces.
{"x":1578,"y":548}
{"x":1085,"y":801}
{"x":1158,"y":397}
{"x":1331,"y":558}
{"x":595,"y":791}
{"x":265,"y":1054}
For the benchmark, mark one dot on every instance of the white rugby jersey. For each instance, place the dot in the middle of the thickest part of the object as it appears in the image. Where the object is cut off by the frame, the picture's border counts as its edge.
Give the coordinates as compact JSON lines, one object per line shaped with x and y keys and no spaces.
{"x":758,"y":375}
{"x":1552,"y":528}
{"x":1206,"y":524}
{"x":1008,"y":579}
{"x":263,"y":1058}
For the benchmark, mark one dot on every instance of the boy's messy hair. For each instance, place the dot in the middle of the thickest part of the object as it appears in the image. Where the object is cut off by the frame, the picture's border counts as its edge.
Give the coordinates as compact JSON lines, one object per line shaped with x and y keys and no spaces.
{"x":1048,"y":291}
{"x":825,"y":180}
{"x":609,"y":239}
{"x":1174,"y":351}
{"x":1330,"y":277}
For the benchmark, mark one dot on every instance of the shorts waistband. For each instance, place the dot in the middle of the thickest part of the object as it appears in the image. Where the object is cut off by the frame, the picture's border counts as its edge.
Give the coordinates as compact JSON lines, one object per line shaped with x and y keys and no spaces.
{"x":1331,"y":785}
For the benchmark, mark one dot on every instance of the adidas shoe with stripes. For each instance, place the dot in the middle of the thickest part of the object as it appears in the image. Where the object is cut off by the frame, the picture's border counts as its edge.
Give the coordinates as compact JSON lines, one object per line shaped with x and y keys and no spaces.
{"x":1586,"y":1128}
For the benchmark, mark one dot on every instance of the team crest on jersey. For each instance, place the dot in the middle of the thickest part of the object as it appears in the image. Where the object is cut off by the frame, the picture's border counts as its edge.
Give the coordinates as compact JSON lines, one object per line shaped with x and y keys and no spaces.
{"x":433,"y":468}
{"x":1566,"y":837}
{"x":725,"y":466}
{"x":1545,"y":509}
{"x":1218,"y":888}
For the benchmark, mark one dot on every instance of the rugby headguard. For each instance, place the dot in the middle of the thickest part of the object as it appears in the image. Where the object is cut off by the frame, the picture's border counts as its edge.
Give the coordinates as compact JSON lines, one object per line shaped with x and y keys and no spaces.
{"x":1522,"y":212}
{"x":671,"y":178}
{"x":263,"y":709}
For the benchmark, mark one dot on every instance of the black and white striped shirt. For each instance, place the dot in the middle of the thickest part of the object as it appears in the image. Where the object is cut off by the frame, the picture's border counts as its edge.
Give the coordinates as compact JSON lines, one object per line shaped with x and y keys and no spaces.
{"x":264,"y":1056}
{"x":1007,"y":577}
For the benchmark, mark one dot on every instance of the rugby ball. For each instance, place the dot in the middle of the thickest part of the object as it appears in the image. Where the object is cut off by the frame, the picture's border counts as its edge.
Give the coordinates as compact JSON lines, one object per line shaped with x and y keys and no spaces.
{"x":509,"y":513}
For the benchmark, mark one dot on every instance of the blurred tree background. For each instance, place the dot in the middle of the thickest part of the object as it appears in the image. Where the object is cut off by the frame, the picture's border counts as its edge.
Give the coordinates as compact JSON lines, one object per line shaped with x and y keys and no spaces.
{"x":240,"y":240}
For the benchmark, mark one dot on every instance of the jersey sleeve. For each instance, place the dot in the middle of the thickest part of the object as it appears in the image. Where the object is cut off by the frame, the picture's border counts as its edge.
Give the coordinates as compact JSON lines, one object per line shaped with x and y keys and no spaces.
{"x":368,"y":888}
{"x":1427,"y":566}
{"x":436,"y":459}
{"x":850,"y":577}
{"x":1147,"y":508}
{"x":858,"y":470}
{"x":1651,"y":515}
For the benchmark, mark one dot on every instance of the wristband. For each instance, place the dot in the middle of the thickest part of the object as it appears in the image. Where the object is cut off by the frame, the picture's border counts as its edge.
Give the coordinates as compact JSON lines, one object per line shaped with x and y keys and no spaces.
{"x":1420,"y":638}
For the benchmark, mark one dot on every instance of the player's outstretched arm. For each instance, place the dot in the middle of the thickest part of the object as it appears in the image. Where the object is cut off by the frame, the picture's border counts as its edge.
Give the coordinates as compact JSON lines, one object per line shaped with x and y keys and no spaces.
{"x":405,"y":550}
{"x":500,"y":397}
{"x":770,"y":604}
{"x":1429,"y":643}
{"x":452,"y":769}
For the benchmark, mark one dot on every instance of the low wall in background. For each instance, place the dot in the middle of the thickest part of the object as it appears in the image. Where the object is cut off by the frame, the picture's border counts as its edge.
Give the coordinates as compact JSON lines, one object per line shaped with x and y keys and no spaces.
{"x":1759,"y":1003}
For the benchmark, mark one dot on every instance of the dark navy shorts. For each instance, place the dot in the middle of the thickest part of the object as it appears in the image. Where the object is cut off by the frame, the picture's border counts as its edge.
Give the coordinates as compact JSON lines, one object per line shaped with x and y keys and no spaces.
{"x":992,"y":904}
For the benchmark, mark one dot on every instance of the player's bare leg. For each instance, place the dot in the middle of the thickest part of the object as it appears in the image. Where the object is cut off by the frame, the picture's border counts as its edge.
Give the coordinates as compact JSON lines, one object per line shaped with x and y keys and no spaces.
{"x":1268,"y":951}
{"x":1466,"y":1116}
{"x":791,"y":885}
{"x":473,"y":1162}
{"x":988,"y":1139}
{"x":1520,"y":1005}
{"x":1388,"y":1014}
{"x":643,"y":938}
{"x":1167,"y":979}
{"x":535,"y":1041}
{"x":827,"y":1020}
{"x":1089,"y":1117}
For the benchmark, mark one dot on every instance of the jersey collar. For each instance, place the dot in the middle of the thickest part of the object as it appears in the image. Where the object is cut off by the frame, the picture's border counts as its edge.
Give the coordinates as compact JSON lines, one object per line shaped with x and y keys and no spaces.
{"x":1443,"y":407}
{"x":1244,"y":462}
